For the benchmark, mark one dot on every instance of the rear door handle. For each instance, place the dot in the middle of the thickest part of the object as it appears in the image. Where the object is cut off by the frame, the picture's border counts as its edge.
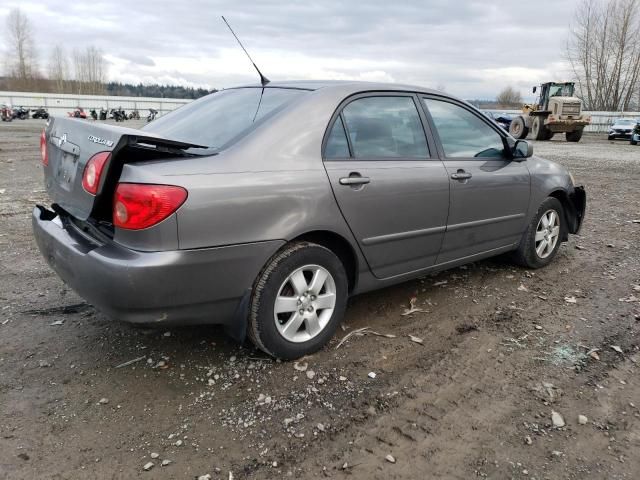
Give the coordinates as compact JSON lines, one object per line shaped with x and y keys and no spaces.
{"x":461,"y":175}
{"x":355,"y":180}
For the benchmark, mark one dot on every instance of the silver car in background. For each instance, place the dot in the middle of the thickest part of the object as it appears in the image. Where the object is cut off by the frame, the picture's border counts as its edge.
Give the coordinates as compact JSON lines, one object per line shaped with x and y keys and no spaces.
{"x":265,"y":208}
{"x":621,"y":128}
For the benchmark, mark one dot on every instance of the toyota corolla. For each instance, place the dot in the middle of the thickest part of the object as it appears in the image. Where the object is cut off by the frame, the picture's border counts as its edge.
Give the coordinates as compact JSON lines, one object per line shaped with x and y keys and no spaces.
{"x":265,"y":208}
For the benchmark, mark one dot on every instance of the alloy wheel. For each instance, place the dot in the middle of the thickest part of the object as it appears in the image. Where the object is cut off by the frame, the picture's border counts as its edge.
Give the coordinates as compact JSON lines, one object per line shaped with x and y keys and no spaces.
{"x":305,"y":303}
{"x":547,"y":233}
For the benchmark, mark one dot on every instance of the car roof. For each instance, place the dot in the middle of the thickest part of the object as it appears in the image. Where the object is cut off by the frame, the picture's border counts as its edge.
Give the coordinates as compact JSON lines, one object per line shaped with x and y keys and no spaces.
{"x":355,"y":85}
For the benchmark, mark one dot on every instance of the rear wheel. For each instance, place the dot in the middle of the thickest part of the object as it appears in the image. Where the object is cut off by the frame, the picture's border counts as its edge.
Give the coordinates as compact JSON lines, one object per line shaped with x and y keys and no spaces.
{"x":632,"y":141}
{"x":298,"y":301}
{"x":518,"y":129}
{"x":541,"y":241}
{"x":574,"y":136}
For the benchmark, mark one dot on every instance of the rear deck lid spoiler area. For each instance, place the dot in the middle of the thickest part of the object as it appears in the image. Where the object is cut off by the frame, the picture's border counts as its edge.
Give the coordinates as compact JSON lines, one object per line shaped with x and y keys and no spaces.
{"x":72,"y":142}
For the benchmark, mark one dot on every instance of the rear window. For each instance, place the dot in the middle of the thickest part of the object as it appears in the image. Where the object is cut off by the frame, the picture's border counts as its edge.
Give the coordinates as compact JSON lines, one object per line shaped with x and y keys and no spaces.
{"x":222,"y":118}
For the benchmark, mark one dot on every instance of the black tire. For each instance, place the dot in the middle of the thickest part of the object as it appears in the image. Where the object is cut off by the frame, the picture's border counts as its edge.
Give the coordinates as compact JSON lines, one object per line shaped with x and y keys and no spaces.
{"x":526,"y":254}
{"x":539,"y":129}
{"x":518,"y":128}
{"x":633,"y":142}
{"x":574,"y":136}
{"x":262,"y":324}
{"x":611,"y":137}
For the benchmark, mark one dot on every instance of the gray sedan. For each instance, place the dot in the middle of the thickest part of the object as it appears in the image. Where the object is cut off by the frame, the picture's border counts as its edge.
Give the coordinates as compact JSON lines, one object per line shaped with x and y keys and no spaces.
{"x":265,"y":209}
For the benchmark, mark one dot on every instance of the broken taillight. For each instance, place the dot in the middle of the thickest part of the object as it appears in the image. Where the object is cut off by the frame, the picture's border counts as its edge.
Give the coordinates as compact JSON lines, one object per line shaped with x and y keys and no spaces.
{"x":43,"y":149}
{"x":93,"y":171}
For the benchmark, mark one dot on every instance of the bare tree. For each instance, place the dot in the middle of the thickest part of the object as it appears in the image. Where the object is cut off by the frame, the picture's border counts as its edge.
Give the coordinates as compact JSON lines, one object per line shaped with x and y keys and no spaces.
{"x":604,"y":52}
{"x":59,"y":69}
{"x":509,"y":97}
{"x":21,"y":57}
{"x":90,"y":70}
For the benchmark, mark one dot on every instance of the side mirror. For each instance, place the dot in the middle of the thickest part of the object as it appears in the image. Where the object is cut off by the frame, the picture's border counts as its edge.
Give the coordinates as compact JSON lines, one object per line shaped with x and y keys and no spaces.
{"x":522,"y":150}
{"x":535,"y":89}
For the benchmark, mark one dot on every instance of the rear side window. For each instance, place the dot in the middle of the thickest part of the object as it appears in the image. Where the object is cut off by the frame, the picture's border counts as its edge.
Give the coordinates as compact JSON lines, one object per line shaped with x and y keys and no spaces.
{"x":385,"y":127}
{"x":463,"y":134}
{"x":337,"y":144}
{"x":222,"y":118}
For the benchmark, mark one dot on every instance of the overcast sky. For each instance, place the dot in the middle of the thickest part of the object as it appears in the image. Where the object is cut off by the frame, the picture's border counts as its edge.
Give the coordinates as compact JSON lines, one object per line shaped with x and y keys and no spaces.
{"x":471,"y":48}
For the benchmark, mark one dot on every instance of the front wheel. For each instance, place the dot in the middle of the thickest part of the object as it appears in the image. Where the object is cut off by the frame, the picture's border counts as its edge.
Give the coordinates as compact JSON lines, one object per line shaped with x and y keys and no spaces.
{"x":574,"y":136}
{"x":298,"y":301}
{"x":541,"y":241}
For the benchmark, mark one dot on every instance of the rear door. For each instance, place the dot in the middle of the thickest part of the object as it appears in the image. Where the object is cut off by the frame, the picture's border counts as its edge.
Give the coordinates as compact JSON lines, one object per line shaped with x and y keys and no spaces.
{"x":392,"y":193}
{"x":489,"y":192}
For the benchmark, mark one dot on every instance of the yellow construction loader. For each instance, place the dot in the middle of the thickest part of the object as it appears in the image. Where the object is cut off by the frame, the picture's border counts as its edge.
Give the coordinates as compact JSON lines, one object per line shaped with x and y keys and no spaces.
{"x":556,"y":110}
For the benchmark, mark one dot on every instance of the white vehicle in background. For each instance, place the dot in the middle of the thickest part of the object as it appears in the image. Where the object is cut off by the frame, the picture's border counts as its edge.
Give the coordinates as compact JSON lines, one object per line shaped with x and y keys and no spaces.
{"x":621,"y":128}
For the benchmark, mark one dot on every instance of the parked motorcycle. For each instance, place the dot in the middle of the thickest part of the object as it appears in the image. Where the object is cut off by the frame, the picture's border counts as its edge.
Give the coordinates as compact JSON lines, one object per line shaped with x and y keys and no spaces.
{"x":152,"y":115}
{"x":40,"y":113}
{"x":118,"y":114}
{"x":103,"y":113}
{"x":6,"y":113}
{"x":78,"y":113}
{"x":93,"y":114}
{"x":20,"y":113}
{"x":134,"y":115}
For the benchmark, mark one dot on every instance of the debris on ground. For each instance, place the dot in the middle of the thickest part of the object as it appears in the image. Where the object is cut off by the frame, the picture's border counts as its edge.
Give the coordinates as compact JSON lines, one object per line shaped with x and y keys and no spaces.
{"x":148,"y":466}
{"x":415,"y":339}
{"x":390,"y":459}
{"x":412,"y":307}
{"x":130,"y":362}
{"x":557,"y":420}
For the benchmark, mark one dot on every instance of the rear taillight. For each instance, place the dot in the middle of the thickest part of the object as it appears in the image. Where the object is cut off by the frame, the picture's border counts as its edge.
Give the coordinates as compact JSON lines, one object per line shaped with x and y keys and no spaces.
{"x":43,"y":149}
{"x":93,"y":171}
{"x":139,"y":205}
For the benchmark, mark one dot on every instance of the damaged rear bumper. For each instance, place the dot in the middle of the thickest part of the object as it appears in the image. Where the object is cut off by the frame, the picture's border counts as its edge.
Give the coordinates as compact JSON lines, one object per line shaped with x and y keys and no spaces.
{"x":178,"y":287}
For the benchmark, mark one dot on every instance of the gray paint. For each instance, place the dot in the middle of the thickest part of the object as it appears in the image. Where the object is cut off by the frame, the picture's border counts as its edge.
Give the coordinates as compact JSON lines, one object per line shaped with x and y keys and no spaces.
{"x":273,"y":186}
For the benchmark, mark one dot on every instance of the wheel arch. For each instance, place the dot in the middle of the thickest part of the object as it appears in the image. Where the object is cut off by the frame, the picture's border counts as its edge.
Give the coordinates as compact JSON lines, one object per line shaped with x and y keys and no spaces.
{"x":572,"y":212}
{"x":338,"y":245}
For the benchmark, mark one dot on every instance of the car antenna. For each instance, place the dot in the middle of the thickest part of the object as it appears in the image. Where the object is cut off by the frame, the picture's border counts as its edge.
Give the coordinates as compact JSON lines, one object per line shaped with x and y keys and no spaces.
{"x":263,"y":80}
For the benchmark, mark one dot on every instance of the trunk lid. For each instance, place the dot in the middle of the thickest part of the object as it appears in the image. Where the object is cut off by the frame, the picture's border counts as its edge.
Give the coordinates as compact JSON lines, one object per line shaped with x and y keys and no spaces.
{"x":72,"y":142}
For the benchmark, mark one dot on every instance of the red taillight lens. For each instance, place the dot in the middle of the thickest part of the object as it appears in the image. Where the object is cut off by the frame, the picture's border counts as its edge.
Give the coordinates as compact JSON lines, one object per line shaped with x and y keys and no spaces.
{"x":93,"y":171}
{"x":43,"y":149}
{"x":139,"y":205}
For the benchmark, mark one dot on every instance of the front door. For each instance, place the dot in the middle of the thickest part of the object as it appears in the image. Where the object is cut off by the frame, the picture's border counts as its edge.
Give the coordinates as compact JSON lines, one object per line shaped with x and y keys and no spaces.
{"x":489,"y":191}
{"x":393,"y":195}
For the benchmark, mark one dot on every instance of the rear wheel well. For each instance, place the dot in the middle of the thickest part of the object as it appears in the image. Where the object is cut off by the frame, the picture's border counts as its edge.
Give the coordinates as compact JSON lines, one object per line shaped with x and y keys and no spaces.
{"x":338,"y":245}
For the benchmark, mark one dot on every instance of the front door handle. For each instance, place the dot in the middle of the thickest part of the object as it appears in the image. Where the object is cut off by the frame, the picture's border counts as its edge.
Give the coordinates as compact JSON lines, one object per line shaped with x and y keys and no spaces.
{"x":461,"y":175}
{"x":354,"y":180}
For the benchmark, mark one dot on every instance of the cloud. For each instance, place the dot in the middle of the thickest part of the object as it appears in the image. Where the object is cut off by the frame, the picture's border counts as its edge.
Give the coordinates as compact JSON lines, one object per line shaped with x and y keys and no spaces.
{"x":473,"y":48}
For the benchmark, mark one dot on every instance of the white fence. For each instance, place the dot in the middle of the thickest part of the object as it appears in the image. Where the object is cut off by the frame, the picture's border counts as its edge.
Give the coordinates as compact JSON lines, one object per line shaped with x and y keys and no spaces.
{"x":600,"y":121}
{"x":59,"y":104}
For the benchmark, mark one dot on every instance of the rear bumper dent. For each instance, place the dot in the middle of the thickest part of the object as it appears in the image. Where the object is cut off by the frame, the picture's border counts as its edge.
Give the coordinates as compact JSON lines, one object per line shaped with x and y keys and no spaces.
{"x":179,"y":287}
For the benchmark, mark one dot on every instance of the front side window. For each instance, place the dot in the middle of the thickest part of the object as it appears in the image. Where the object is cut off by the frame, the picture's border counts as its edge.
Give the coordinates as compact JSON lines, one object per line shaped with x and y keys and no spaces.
{"x":385,"y":127}
{"x":463,"y":134}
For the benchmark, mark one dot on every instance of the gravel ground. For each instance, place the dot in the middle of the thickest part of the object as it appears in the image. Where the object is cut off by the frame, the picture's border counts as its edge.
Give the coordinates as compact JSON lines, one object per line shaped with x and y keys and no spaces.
{"x":502,"y":349}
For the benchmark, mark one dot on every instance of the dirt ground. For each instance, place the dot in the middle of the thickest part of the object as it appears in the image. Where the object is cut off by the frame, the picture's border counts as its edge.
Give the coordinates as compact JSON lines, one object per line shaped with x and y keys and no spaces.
{"x":502,"y":349}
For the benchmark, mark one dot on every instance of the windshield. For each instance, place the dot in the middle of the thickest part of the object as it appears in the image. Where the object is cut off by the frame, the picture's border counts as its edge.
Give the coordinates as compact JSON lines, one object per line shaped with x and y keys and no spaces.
{"x":222,"y":118}
{"x":624,"y":121}
{"x":561,"y":90}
